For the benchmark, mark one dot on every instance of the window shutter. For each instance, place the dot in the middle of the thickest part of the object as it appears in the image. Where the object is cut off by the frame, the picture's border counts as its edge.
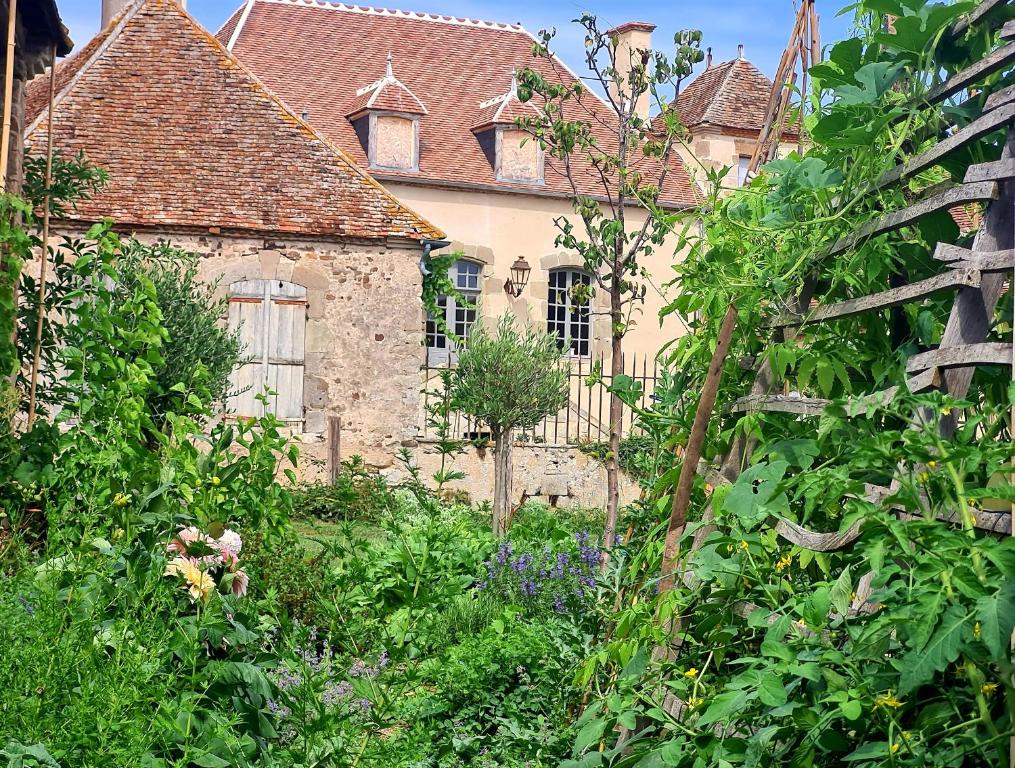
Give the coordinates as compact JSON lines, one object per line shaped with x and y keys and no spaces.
{"x":247,"y":314}
{"x":286,"y":333}
{"x":270,"y":316}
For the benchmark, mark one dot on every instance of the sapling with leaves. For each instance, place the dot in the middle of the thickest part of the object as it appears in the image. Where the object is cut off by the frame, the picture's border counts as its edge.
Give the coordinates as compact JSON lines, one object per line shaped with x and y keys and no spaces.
{"x":508,"y":380}
{"x":629,"y":158}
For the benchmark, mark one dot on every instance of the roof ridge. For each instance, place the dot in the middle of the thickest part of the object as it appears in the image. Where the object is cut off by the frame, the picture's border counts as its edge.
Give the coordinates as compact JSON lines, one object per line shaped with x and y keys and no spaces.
{"x":112,"y":32}
{"x":335,"y":5}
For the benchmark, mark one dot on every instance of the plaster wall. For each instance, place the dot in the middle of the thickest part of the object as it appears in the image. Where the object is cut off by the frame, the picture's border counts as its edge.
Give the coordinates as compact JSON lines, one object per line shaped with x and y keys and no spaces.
{"x":495,"y":229}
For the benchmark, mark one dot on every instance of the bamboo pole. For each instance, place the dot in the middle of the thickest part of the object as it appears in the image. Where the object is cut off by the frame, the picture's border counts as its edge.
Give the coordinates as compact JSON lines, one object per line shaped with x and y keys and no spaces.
{"x":37,"y":354}
{"x":5,"y":140}
{"x":787,"y":64}
{"x":685,"y":485}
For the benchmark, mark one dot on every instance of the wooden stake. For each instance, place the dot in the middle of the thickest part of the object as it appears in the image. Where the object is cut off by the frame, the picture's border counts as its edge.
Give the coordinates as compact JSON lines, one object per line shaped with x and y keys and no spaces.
{"x":685,"y":485}
{"x":5,"y":140}
{"x":36,"y":357}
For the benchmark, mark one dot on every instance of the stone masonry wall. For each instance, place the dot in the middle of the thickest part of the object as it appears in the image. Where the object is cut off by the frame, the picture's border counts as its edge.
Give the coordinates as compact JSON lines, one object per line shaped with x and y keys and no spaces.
{"x":556,"y":474}
{"x":363,"y":334}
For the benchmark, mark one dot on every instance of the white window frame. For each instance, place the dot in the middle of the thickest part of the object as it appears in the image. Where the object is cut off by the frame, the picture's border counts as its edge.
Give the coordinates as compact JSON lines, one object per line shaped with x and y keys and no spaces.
{"x":467,"y":276}
{"x":564,"y":316}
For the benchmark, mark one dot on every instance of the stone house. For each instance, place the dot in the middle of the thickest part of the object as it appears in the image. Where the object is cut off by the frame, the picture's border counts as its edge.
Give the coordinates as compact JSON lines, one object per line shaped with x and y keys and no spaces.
{"x":428,"y":104}
{"x":724,"y":110}
{"x":320,"y":262}
{"x":248,"y":149}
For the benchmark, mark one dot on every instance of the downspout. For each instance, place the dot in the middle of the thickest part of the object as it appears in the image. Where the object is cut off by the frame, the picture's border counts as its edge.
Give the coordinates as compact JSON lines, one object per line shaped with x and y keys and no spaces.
{"x":428,"y":247}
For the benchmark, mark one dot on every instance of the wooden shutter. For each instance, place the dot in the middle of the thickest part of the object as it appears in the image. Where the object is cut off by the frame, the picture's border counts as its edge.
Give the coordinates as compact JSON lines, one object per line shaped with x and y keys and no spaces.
{"x":285,"y":348}
{"x":270,"y":316}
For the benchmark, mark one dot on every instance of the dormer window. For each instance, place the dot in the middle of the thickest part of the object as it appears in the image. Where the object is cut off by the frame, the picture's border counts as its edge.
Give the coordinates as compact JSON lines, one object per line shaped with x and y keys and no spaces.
{"x":513,"y":152}
{"x":386,"y":117}
{"x":519,"y":157}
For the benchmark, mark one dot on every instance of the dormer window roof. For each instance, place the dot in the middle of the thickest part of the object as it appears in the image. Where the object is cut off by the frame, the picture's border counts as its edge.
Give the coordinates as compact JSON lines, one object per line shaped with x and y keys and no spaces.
{"x":505,"y":109}
{"x":512,"y":151}
{"x":389,"y":94}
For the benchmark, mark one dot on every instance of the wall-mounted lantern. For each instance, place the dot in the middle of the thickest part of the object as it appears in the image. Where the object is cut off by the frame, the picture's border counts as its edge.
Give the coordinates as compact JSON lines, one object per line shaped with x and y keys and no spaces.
{"x":515,"y":284}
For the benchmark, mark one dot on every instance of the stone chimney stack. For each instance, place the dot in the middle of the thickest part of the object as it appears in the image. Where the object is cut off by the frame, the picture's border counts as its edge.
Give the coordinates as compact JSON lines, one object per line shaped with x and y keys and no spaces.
{"x":632,"y":38}
{"x":111,"y":9}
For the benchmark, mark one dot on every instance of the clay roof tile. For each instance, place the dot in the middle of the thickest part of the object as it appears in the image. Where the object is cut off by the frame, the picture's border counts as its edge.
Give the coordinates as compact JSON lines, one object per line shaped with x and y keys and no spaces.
{"x":191,"y":138}
{"x":301,"y":49}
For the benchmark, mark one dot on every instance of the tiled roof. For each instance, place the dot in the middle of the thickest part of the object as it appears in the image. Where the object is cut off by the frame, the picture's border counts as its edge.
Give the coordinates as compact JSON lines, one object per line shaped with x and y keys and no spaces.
{"x":191,"y":138}
{"x":733,"y":94}
{"x":317,"y":54}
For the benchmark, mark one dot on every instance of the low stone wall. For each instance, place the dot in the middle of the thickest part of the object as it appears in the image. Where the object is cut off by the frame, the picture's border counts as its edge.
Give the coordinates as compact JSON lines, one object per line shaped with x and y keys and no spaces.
{"x":557,"y":474}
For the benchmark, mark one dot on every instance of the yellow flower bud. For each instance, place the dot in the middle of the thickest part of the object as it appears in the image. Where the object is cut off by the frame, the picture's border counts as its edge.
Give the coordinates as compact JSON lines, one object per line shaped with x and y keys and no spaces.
{"x":215,"y":480}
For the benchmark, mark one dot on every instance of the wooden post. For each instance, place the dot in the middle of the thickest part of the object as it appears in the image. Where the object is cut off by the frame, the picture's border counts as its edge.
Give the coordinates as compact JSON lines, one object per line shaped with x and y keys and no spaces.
{"x":334,"y":447}
{"x":682,"y":493}
{"x":36,"y":357}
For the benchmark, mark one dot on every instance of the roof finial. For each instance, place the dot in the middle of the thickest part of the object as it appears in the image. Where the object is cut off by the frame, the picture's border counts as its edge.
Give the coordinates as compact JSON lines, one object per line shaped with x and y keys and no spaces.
{"x":389,"y":74}
{"x":740,"y":51}
{"x":514,"y":82}
{"x":708,"y":58}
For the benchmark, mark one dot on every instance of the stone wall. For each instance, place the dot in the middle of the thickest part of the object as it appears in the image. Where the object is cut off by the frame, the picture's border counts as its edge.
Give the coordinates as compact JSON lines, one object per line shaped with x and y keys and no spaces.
{"x":363,"y":334}
{"x":559,"y":475}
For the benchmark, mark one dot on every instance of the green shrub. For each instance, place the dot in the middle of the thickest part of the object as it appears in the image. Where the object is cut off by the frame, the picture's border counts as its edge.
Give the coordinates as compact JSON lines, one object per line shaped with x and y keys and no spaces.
{"x":499,"y":694}
{"x":198,"y":347}
{"x":358,"y":493}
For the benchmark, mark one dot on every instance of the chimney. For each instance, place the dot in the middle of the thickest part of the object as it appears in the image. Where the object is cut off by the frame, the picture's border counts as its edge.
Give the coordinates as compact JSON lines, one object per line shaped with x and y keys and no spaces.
{"x":632,"y":37}
{"x":111,"y":9}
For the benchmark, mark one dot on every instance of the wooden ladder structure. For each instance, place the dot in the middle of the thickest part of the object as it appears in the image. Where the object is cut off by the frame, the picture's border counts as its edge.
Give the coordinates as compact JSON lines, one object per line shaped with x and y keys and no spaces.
{"x":976,"y":276}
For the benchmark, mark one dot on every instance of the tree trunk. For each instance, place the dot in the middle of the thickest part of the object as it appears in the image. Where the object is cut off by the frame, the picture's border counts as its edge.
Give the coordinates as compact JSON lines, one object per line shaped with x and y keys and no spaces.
{"x":503,"y":475}
{"x":616,"y":417}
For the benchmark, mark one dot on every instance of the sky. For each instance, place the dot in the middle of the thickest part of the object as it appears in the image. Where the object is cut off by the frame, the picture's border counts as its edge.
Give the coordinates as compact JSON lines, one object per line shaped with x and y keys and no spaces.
{"x":763,"y":26}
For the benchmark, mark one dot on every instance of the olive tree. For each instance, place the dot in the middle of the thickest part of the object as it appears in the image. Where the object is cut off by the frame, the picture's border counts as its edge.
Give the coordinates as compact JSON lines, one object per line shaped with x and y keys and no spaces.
{"x":507,"y":380}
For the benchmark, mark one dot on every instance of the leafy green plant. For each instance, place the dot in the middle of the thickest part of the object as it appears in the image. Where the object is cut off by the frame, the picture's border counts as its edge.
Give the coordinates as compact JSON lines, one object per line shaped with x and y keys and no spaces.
{"x":198,"y":347}
{"x":507,"y":381}
{"x":358,"y":493}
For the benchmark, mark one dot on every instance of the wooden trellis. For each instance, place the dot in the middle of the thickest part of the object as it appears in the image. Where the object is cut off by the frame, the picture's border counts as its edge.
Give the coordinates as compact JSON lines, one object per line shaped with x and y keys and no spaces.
{"x":976,"y":276}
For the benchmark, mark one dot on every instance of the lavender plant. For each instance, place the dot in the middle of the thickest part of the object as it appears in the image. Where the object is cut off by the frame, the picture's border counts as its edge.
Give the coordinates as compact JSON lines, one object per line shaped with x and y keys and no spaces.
{"x":554,"y":580}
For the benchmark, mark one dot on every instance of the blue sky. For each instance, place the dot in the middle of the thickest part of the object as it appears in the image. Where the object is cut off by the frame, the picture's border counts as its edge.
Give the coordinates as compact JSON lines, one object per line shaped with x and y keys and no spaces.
{"x":761,"y":25}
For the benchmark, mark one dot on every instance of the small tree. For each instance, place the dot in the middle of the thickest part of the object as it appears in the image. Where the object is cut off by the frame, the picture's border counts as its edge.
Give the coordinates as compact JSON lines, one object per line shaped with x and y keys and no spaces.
{"x":627,"y":158}
{"x":507,"y":381}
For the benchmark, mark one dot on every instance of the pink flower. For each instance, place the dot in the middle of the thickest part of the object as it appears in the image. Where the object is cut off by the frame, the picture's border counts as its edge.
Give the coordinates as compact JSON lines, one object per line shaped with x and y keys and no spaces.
{"x":185,"y":538}
{"x":240,"y":583}
{"x":229,"y":545}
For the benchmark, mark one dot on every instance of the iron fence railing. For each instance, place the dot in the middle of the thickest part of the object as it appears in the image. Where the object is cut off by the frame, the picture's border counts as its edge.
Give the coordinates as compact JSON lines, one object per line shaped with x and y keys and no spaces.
{"x":586,"y":417}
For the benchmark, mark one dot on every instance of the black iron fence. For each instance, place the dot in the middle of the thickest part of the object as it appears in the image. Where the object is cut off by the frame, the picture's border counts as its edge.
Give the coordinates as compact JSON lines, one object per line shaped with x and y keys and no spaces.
{"x":586,"y":418}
